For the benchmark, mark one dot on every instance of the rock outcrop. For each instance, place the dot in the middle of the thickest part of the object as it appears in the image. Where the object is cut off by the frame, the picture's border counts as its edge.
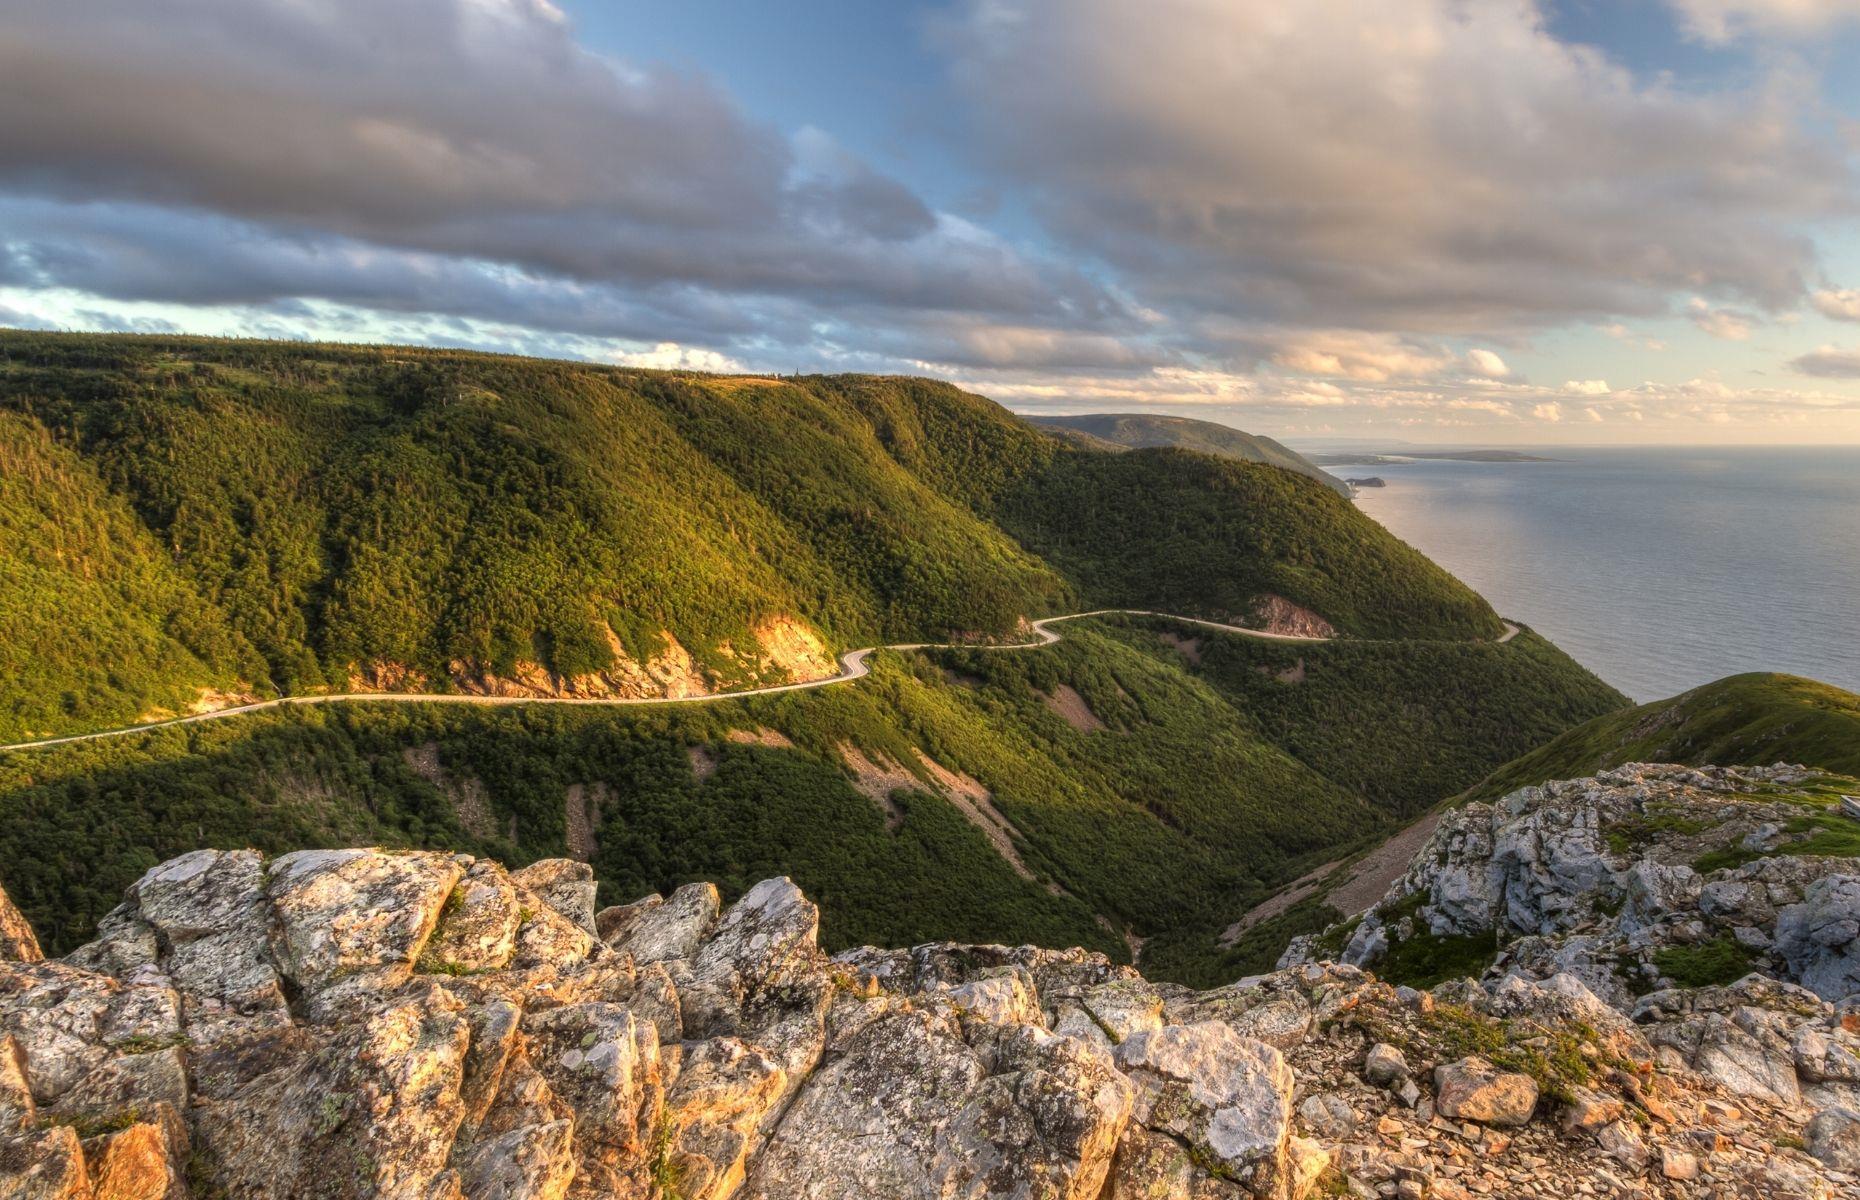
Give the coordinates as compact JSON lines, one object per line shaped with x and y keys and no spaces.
{"x":427,"y":1026}
{"x":1636,"y":874}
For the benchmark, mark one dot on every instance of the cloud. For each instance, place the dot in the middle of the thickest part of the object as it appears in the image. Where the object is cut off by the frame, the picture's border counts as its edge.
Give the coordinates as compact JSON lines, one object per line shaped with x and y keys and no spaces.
{"x":1548,"y":411}
{"x":1837,"y":304}
{"x":1829,"y":362}
{"x":1587,"y":387}
{"x":1370,"y":357}
{"x":1487,"y":364}
{"x":1727,"y":324}
{"x":392,"y":147}
{"x":1410,"y":165}
{"x":1723,"y":20}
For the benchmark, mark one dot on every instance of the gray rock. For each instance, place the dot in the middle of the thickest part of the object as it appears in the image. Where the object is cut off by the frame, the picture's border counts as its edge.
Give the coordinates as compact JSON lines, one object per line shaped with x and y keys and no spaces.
{"x":1472,"y":1089}
{"x":565,"y":885}
{"x":1385,"y":1065}
{"x":654,"y":929}
{"x":1816,"y":938}
{"x":354,"y":915}
{"x":1833,"y":1136}
{"x":907,"y":1109}
{"x":1227,"y":1096}
{"x":1329,"y":1116}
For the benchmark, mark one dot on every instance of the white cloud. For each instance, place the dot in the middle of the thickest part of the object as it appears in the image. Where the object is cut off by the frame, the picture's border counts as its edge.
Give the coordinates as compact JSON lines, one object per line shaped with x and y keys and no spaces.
{"x":1549,"y":411}
{"x":1487,"y":364}
{"x":670,"y":356}
{"x":1726,"y":324}
{"x":1722,"y":20}
{"x":1838,"y":304}
{"x":1587,"y":387}
{"x":1368,"y":357}
{"x":1421,"y":166}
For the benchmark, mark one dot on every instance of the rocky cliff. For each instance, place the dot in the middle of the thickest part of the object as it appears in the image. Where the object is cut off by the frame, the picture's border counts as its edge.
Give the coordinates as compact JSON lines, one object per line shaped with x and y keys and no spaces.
{"x":359,"y":1023}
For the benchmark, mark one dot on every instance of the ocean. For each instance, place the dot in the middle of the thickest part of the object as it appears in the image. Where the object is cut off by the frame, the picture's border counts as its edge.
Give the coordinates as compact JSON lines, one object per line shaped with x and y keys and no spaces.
{"x":1658,"y":569}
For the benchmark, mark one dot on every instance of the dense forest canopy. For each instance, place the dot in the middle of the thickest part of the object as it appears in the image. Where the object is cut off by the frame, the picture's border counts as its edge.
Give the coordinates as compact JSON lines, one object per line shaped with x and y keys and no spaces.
{"x":185,"y":514}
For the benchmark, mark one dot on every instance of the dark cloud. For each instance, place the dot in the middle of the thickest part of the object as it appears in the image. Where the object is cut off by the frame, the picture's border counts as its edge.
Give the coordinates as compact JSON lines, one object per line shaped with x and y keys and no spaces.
{"x":1413,"y":165}
{"x":1829,"y":362}
{"x":476,"y":131}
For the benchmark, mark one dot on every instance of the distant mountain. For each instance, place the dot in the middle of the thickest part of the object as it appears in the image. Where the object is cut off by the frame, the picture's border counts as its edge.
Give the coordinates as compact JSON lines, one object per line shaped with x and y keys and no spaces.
{"x":1352,"y":458}
{"x":1135,"y":431}
{"x":1744,"y":720}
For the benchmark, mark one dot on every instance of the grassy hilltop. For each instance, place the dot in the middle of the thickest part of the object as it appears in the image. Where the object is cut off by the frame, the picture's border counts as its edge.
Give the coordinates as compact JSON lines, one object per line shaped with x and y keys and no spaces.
{"x":1741,"y":720}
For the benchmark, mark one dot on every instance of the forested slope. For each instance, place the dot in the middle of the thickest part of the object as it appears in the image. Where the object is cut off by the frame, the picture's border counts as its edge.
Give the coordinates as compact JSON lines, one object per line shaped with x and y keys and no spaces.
{"x":1138,"y":793}
{"x":1742,"y":720}
{"x":327,"y":518}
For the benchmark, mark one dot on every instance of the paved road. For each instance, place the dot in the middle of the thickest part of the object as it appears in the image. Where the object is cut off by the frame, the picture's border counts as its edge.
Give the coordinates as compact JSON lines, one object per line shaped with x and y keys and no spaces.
{"x":852,"y":666}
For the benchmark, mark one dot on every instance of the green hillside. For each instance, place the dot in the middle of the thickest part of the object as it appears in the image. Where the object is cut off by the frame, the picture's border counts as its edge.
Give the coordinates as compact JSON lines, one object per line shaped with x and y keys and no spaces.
{"x":1141,"y":793}
{"x":282,"y":517}
{"x":71,"y":552}
{"x":1754,"y":719}
{"x":1141,"y":431}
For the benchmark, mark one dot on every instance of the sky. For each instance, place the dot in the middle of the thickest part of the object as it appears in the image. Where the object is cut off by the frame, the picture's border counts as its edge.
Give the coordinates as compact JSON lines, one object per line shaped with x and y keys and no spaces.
{"x":1506,"y":222}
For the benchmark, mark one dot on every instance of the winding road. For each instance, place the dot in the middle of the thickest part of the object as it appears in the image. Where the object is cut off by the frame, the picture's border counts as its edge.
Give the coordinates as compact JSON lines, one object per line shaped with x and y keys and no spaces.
{"x":852,"y":666}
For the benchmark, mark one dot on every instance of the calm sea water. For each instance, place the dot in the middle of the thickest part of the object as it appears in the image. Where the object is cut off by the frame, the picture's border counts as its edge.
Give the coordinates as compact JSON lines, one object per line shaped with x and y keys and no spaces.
{"x":1657,"y":569}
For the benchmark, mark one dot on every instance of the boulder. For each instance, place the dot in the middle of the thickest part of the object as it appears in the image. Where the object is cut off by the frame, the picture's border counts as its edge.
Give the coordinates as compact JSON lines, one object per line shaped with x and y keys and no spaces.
{"x":907,"y":1109}
{"x":202,"y":920}
{"x":1817,"y":938}
{"x":1328,"y":1116}
{"x":1472,"y":1089}
{"x":654,"y":929}
{"x":1385,"y":1066}
{"x":1589,"y":1111}
{"x":768,"y":938}
{"x":137,"y":1163}
{"x":370,"y":1109}
{"x":477,"y":927}
{"x":359,"y":917}
{"x":536,"y":1162}
{"x":18,"y":1110}
{"x":45,"y":1165}
{"x":725,"y":1092}
{"x":1227,"y":1097}
{"x":1107,"y":1013}
{"x":1833,"y":1136}
{"x":605,"y":1065}
{"x":565,"y":885}
{"x":67,"y":1022}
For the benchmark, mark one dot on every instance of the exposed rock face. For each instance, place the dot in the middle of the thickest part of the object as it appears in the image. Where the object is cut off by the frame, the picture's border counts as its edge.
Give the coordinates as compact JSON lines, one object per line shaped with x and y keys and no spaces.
{"x":1276,"y":614}
{"x":17,"y":941}
{"x":1615,"y":878}
{"x":424,"y":1026}
{"x":785,"y":650}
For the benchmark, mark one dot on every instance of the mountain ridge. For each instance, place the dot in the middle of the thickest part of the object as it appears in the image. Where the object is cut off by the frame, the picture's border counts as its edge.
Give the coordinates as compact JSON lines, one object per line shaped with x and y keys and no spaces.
{"x":1137,"y":431}
{"x":399,"y":517}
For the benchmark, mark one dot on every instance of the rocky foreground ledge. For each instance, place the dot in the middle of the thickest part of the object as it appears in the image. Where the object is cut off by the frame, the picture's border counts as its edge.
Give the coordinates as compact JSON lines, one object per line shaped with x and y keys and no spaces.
{"x":423,"y":1026}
